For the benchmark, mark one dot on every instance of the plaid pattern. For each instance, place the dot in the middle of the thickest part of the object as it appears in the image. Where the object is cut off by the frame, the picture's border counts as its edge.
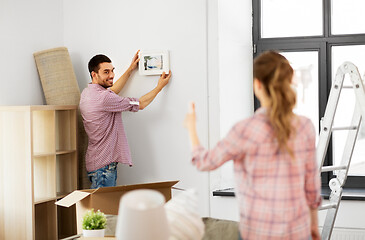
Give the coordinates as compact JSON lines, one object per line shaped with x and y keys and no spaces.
{"x":274,"y":192}
{"x":101,"y":111}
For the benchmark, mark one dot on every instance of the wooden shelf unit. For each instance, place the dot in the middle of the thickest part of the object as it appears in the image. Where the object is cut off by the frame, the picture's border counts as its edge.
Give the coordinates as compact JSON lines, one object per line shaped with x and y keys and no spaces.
{"x":38,"y":165}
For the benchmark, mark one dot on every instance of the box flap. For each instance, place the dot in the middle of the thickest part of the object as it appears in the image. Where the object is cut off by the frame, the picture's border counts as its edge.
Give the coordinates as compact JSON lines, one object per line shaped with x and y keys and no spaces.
{"x":72,"y":198}
{"x":155,"y":185}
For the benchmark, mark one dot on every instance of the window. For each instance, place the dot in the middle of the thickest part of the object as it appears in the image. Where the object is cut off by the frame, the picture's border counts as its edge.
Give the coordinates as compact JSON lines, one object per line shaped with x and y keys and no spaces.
{"x":274,"y":21}
{"x":316,"y":37}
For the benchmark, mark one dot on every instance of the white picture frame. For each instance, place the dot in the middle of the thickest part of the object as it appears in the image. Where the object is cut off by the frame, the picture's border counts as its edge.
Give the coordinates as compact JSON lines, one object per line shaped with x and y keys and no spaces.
{"x":154,"y":62}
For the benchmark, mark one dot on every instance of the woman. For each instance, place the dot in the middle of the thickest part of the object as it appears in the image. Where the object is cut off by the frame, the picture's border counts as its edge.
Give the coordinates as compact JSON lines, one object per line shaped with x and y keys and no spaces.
{"x":278,"y":184}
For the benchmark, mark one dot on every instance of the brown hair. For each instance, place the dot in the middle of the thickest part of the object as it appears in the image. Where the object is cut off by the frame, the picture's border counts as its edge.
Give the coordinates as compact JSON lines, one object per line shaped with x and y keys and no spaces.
{"x":275,"y":73}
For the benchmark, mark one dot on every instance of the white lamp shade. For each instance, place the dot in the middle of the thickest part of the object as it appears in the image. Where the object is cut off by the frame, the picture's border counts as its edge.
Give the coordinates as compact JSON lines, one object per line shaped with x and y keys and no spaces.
{"x":142,"y":216}
{"x":182,"y":214}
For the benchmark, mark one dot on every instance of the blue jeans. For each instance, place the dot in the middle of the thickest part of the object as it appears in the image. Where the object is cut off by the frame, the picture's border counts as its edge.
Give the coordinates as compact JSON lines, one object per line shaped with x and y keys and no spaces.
{"x":104,"y":177}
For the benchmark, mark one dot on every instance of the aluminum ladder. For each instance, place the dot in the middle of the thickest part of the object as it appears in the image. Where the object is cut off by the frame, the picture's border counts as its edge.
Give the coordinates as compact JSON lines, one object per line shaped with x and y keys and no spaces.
{"x":336,"y":184}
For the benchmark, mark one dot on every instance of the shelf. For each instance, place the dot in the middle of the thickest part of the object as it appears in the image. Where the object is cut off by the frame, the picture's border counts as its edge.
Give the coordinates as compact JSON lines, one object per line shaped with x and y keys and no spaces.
{"x":45,"y":220}
{"x":44,"y":169}
{"x":43,"y":131}
{"x":59,"y":152}
{"x":66,"y":175}
{"x":43,"y":154}
{"x":44,"y":200}
{"x":61,"y":195}
{"x":67,"y":221}
{"x":65,"y":129}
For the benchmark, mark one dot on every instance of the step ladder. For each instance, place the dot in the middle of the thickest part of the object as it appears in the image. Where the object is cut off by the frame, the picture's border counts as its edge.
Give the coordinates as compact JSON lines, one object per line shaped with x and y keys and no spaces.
{"x":336,"y":184}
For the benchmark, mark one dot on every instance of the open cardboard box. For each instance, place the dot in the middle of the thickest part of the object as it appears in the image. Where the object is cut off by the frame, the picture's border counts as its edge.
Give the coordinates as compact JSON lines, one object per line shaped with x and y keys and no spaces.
{"x":107,"y":199}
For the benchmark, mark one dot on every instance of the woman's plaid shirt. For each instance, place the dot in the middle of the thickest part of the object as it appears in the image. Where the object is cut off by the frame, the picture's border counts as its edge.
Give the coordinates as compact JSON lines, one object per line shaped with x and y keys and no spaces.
{"x":274,"y":191}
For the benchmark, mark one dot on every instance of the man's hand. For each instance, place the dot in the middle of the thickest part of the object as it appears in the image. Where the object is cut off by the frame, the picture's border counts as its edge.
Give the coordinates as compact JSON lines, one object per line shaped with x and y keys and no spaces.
{"x":119,"y":84}
{"x":135,"y":61}
{"x":164,"y":79}
{"x":146,"y":99}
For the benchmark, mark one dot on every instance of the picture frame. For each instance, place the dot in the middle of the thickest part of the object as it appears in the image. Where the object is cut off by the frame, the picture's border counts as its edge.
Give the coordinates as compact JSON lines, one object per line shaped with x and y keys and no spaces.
{"x":154,"y":62}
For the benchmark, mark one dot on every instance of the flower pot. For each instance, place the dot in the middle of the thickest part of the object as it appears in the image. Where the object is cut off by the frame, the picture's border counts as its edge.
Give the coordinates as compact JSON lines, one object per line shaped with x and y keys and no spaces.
{"x":93,"y":233}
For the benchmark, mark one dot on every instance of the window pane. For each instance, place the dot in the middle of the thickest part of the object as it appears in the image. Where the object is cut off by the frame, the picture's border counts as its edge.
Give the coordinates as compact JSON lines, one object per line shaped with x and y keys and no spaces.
{"x":305,"y":65}
{"x":283,"y":18}
{"x":346,"y":107}
{"x":348,"y":16}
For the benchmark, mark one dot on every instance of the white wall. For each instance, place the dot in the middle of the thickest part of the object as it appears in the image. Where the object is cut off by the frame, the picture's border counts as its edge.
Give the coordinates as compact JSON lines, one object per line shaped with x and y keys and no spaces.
{"x":26,"y":27}
{"x":117,"y":28}
{"x":235,"y":89}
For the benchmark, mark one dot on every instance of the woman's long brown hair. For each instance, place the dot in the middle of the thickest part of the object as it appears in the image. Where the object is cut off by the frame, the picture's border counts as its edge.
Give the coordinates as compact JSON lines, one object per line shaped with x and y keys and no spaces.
{"x":275,"y":73}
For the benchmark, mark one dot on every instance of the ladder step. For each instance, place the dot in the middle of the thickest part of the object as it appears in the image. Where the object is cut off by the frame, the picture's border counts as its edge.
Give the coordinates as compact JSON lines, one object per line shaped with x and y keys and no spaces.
{"x":327,"y":206}
{"x":347,"y":86}
{"x":344,"y":128}
{"x":333,"y":168}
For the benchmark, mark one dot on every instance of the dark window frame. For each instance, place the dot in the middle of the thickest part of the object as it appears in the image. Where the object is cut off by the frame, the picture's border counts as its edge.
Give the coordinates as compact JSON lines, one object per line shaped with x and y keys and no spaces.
{"x":323,"y":45}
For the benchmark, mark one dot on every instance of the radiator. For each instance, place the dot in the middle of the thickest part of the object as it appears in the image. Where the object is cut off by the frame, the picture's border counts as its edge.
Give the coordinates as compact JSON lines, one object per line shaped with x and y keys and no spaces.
{"x":347,"y":234}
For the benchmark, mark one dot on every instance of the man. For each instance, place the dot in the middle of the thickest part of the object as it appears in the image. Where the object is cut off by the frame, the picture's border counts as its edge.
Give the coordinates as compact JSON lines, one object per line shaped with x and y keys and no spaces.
{"x":101,"y":108}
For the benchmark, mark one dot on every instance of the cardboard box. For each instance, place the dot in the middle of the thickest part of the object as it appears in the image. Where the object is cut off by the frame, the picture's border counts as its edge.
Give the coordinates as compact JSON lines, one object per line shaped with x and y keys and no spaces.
{"x":107,"y":199}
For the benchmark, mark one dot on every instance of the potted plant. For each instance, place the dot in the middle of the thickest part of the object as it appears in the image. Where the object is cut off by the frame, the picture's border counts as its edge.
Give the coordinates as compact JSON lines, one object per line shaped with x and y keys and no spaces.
{"x":93,"y":224}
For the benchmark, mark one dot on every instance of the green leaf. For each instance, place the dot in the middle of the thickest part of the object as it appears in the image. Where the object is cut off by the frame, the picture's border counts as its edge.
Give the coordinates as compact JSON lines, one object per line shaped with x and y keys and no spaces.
{"x":93,"y":220}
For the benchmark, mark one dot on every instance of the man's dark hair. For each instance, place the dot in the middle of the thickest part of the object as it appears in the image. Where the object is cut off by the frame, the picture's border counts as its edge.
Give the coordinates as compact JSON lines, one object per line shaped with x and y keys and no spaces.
{"x":95,"y":61}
